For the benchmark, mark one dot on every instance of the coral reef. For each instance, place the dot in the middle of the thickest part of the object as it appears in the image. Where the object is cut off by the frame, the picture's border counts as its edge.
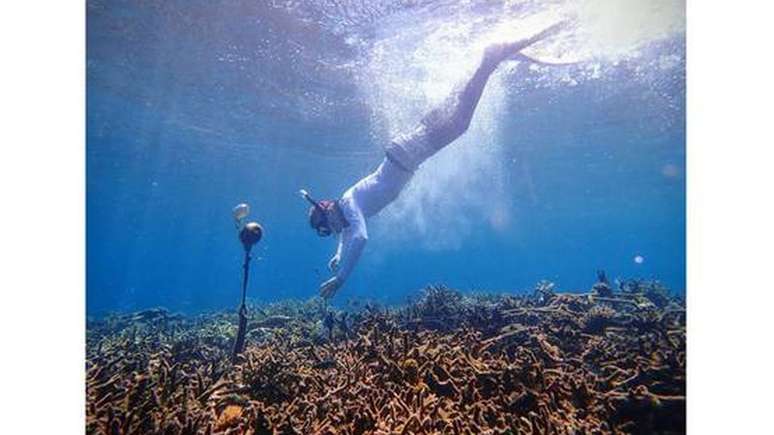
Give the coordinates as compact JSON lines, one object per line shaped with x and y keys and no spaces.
{"x":601,"y":362}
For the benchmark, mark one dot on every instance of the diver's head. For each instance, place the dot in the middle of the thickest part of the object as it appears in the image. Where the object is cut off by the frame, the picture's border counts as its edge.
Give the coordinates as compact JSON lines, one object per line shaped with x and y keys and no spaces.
{"x":322,"y":215}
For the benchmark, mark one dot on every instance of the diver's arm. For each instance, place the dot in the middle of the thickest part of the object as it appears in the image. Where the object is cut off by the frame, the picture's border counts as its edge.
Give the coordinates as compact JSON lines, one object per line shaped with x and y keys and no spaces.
{"x":333,"y":263}
{"x":354,"y":238}
{"x":353,"y":247}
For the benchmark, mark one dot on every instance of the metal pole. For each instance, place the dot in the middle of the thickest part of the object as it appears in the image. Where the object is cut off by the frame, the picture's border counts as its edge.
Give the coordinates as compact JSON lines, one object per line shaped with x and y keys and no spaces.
{"x":239,"y":342}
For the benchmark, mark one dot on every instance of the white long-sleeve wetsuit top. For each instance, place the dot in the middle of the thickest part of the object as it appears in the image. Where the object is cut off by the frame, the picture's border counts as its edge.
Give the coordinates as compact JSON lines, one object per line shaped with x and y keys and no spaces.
{"x":364,"y":199}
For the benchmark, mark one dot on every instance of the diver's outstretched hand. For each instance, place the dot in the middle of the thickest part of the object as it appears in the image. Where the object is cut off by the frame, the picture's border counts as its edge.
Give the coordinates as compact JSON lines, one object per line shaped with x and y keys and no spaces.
{"x":329,"y":288}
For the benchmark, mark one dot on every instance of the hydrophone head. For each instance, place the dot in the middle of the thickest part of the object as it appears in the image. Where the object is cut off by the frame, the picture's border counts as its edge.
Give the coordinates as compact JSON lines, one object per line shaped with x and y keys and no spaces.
{"x":250,"y":235}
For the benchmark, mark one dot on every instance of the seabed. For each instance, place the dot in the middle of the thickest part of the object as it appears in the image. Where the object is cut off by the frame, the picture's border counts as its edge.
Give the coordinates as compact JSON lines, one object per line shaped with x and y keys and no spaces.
{"x":607,"y":361}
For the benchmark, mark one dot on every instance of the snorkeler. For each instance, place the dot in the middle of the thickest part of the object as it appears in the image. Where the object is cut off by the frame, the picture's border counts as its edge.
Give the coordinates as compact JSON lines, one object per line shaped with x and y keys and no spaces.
{"x":347,"y":216}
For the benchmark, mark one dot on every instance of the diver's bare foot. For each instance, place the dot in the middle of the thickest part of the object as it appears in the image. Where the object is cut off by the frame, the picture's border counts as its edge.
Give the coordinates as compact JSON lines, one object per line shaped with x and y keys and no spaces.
{"x":496,"y":53}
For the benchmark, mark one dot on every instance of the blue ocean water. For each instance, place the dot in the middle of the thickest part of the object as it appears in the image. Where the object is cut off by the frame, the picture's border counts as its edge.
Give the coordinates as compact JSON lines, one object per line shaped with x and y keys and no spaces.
{"x":195,"y":106}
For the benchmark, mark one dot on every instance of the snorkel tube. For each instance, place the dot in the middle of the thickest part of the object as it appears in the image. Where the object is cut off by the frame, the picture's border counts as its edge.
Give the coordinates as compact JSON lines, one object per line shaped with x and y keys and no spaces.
{"x":304,"y":194}
{"x":250,"y":233}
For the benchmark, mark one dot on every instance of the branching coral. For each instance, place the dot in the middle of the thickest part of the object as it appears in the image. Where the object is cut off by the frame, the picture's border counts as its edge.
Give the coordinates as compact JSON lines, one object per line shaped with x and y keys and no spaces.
{"x":449,"y":363}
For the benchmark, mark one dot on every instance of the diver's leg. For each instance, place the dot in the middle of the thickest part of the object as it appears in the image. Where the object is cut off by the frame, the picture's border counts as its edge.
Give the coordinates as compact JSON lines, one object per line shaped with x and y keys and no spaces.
{"x":452,"y":118}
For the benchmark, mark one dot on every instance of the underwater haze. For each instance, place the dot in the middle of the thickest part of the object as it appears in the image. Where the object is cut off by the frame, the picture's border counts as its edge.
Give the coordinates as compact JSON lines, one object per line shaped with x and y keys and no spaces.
{"x":196,"y":106}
